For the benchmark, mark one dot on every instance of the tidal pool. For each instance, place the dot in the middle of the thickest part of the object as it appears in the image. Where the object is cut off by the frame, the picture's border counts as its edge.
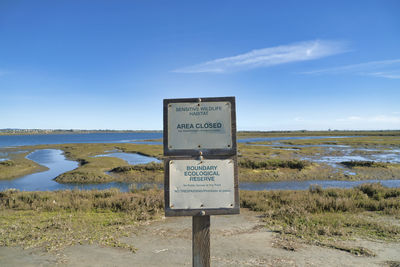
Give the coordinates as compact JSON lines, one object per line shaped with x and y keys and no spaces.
{"x":355,"y":154}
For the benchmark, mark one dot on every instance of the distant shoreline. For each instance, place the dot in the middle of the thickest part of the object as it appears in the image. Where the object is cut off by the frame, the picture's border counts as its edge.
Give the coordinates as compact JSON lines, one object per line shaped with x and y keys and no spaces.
{"x":241,"y":134}
{"x":40,"y":131}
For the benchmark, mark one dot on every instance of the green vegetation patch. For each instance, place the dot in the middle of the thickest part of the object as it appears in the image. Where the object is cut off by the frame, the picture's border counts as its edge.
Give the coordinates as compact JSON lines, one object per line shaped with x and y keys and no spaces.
{"x":152,"y":166}
{"x":369,"y":164}
{"x":55,"y":220}
{"x":273,"y":164}
{"x":7,"y":163}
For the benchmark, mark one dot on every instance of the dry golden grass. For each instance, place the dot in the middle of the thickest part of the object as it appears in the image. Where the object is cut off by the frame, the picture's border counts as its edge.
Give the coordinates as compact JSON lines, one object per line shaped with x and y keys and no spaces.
{"x":323,"y":217}
{"x":55,"y":220}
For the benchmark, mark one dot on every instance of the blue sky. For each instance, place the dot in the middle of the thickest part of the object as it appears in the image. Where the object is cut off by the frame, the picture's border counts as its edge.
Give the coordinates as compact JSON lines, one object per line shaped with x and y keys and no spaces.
{"x":292,"y":65}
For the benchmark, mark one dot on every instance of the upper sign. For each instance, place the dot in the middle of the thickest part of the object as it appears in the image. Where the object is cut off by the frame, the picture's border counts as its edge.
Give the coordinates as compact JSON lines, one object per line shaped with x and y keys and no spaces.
{"x":200,"y":124}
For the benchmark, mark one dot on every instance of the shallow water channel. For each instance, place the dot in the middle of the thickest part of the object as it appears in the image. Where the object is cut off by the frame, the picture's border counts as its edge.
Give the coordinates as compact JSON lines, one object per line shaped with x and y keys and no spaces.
{"x":57,"y":163}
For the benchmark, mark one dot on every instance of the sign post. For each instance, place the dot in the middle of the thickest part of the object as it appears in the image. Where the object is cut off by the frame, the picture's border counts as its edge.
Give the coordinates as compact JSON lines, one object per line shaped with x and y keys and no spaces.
{"x":201,"y":240}
{"x":201,"y":176}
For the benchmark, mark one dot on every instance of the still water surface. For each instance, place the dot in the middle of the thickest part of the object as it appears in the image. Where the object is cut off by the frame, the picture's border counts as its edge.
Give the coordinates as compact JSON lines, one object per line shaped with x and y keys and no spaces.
{"x":58,"y":164}
{"x":139,"y":138}
{"x":51,"y":139}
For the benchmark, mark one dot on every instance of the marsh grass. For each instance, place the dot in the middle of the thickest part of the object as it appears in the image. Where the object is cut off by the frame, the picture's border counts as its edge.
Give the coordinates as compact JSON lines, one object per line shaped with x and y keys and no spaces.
{"x":362,"y":141}
{"x":94,"y":170}
{"x":150,"y":172}
{"x":55,"y":220}
{"x":256,"y":163}
{"x":325,"y":216}
{"x":312,"y":172}
{"x":381,"y":141}
{"x":18,"y":166}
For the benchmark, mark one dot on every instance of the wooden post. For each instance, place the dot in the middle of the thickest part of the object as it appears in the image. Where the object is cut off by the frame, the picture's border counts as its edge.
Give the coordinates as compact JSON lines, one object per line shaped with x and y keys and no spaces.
{"x":201,"y":241}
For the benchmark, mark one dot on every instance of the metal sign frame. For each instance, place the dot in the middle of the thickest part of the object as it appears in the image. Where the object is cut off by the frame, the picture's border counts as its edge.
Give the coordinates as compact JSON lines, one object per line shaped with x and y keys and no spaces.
{"x":200,"y":212}
{"x":232,"y":150}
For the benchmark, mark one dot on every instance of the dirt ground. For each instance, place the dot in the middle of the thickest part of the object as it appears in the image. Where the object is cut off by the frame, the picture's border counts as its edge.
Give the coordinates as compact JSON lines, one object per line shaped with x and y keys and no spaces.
{"x":236,"y":240}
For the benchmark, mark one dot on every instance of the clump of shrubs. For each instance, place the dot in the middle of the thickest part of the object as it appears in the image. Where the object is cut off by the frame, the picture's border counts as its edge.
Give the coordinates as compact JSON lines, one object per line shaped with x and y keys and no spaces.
{"x":7,"y":163}
{"x":153,"y":166}
{"x":372,"y":164}
{"x":273,"y":164}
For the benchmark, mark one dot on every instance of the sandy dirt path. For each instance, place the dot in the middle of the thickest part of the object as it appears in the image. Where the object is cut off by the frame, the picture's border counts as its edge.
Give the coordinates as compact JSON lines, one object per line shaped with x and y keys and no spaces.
{"x":236,"y":240}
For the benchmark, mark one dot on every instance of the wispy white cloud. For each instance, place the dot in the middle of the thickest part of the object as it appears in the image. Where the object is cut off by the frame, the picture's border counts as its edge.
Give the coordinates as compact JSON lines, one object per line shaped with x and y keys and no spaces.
{"x":372,"y":119}
{"x":389,"y":69}
{"x":270,"y":56}
{"x":389,"y":74}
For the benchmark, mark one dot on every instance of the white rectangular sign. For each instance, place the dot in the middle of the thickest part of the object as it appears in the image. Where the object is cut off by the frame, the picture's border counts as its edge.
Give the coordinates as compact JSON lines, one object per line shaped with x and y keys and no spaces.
{"x":201,"y":184}
{"x":200,"y":125}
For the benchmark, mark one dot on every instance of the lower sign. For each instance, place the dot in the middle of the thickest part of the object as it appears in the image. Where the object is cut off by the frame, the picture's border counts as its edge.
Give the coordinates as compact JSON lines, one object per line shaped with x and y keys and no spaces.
{"x":201,"y":184}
